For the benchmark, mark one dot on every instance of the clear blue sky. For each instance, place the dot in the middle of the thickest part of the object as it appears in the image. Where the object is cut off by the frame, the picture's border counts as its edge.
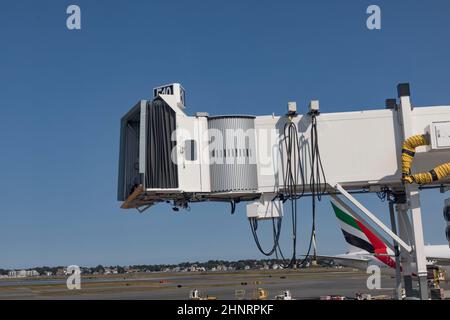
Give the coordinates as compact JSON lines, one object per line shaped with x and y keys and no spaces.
{"x":62,"y":94}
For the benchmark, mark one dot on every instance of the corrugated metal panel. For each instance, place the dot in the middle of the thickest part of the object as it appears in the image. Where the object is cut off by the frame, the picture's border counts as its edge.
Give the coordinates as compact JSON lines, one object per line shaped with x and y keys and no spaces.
{"x":162,"y":172}
{"x":232,"y":167}
{"x":143,"y":138}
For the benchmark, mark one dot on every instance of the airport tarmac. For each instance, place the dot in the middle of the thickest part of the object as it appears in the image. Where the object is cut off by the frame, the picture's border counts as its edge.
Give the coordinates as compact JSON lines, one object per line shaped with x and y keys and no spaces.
{"x":303,"y":284}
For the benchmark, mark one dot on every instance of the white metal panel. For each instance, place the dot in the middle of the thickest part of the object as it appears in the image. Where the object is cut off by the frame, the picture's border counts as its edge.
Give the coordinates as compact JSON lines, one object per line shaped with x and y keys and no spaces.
{"x":189,"y":173}
{"x":268,"y":155}
{"x":357,"y":148}
{"x":203,"y":151}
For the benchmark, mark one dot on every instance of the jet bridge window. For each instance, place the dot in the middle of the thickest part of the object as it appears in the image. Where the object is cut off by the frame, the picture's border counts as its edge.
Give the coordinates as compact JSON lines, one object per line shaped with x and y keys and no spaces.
{"x":190,"y":147}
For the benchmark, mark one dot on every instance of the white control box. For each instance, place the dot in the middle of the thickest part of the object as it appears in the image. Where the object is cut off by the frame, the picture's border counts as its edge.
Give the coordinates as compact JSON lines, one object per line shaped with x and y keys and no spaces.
{"x":292,"y":107}
{"x":265,"y":208}
{"x":314,"y":106}
{"x":440,"y":135}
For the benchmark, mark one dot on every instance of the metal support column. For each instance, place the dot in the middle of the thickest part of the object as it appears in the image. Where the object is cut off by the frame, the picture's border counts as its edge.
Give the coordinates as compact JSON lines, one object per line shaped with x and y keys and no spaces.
{"x":419,"y":245}
{"x":405,"y":232}
{"x":398,"y":276}
{"x":412,"y":194}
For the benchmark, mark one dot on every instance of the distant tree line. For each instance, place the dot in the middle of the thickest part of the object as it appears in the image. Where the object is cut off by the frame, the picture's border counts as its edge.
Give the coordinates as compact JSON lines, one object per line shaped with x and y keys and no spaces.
{"x":208,"y":265}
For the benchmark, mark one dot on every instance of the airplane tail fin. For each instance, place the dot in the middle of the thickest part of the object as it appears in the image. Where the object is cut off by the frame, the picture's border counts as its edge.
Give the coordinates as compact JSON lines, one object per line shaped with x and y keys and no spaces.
{"x":359,"y":237}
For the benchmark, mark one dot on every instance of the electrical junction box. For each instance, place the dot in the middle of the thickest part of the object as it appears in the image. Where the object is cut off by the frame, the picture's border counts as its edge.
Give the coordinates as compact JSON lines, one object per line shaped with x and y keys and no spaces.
{"x":292,"y":107}
{"x":314,"y":106}
{"x":440,"y":135}
{"x":265,"y":208}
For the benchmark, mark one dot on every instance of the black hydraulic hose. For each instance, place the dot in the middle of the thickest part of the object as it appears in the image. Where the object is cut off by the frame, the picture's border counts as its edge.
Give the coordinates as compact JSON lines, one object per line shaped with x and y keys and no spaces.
{"x":315,"y":181}
{"x":276,"y":234}
{"x":293,"y":172}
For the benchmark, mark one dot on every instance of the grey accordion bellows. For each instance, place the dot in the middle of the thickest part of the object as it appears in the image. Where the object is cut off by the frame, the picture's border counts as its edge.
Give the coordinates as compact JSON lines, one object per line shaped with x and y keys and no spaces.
{"x":162,"y":172}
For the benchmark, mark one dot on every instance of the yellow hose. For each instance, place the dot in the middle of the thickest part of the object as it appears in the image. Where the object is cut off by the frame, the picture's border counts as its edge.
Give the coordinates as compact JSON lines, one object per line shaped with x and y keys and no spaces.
{"x":408,"y":152}
{"x":438,"y":173}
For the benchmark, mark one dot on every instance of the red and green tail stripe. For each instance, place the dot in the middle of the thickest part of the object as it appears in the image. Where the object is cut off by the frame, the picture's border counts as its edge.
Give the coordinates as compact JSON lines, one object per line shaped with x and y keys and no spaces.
{"x":358,"y":235}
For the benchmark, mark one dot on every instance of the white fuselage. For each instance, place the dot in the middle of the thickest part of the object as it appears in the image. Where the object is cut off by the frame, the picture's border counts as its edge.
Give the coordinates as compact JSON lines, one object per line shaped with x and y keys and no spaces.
{"x":362,"y":259}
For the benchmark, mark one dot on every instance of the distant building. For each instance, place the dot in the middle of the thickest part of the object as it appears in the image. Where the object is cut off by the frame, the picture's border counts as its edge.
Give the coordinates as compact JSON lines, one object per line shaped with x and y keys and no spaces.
{"x":131,"y":270}
{"x":33,"y":273}
{"x":61,"y":271}
{"x":192,"y":268}
{"x":22,"y":273}
{"x":221,"y":267}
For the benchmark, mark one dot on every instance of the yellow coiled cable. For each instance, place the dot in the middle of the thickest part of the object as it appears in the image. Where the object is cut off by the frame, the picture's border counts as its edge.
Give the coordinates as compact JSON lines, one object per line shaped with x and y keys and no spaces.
{"x":408,"y":152}
{"x":438,"y":173}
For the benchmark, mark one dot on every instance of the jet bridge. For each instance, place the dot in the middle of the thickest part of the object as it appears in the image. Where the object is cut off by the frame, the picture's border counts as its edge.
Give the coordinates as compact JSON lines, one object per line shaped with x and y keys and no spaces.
{"x":167,"y":155}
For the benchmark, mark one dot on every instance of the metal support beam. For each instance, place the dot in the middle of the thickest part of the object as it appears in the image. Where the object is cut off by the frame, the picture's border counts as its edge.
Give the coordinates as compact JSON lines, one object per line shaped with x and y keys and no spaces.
{"x":374,"y":219}
{"x":412,"y":194}
{"x":419,"y":246}
{"x":398,"y":275}
{"x":405,"y":232}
